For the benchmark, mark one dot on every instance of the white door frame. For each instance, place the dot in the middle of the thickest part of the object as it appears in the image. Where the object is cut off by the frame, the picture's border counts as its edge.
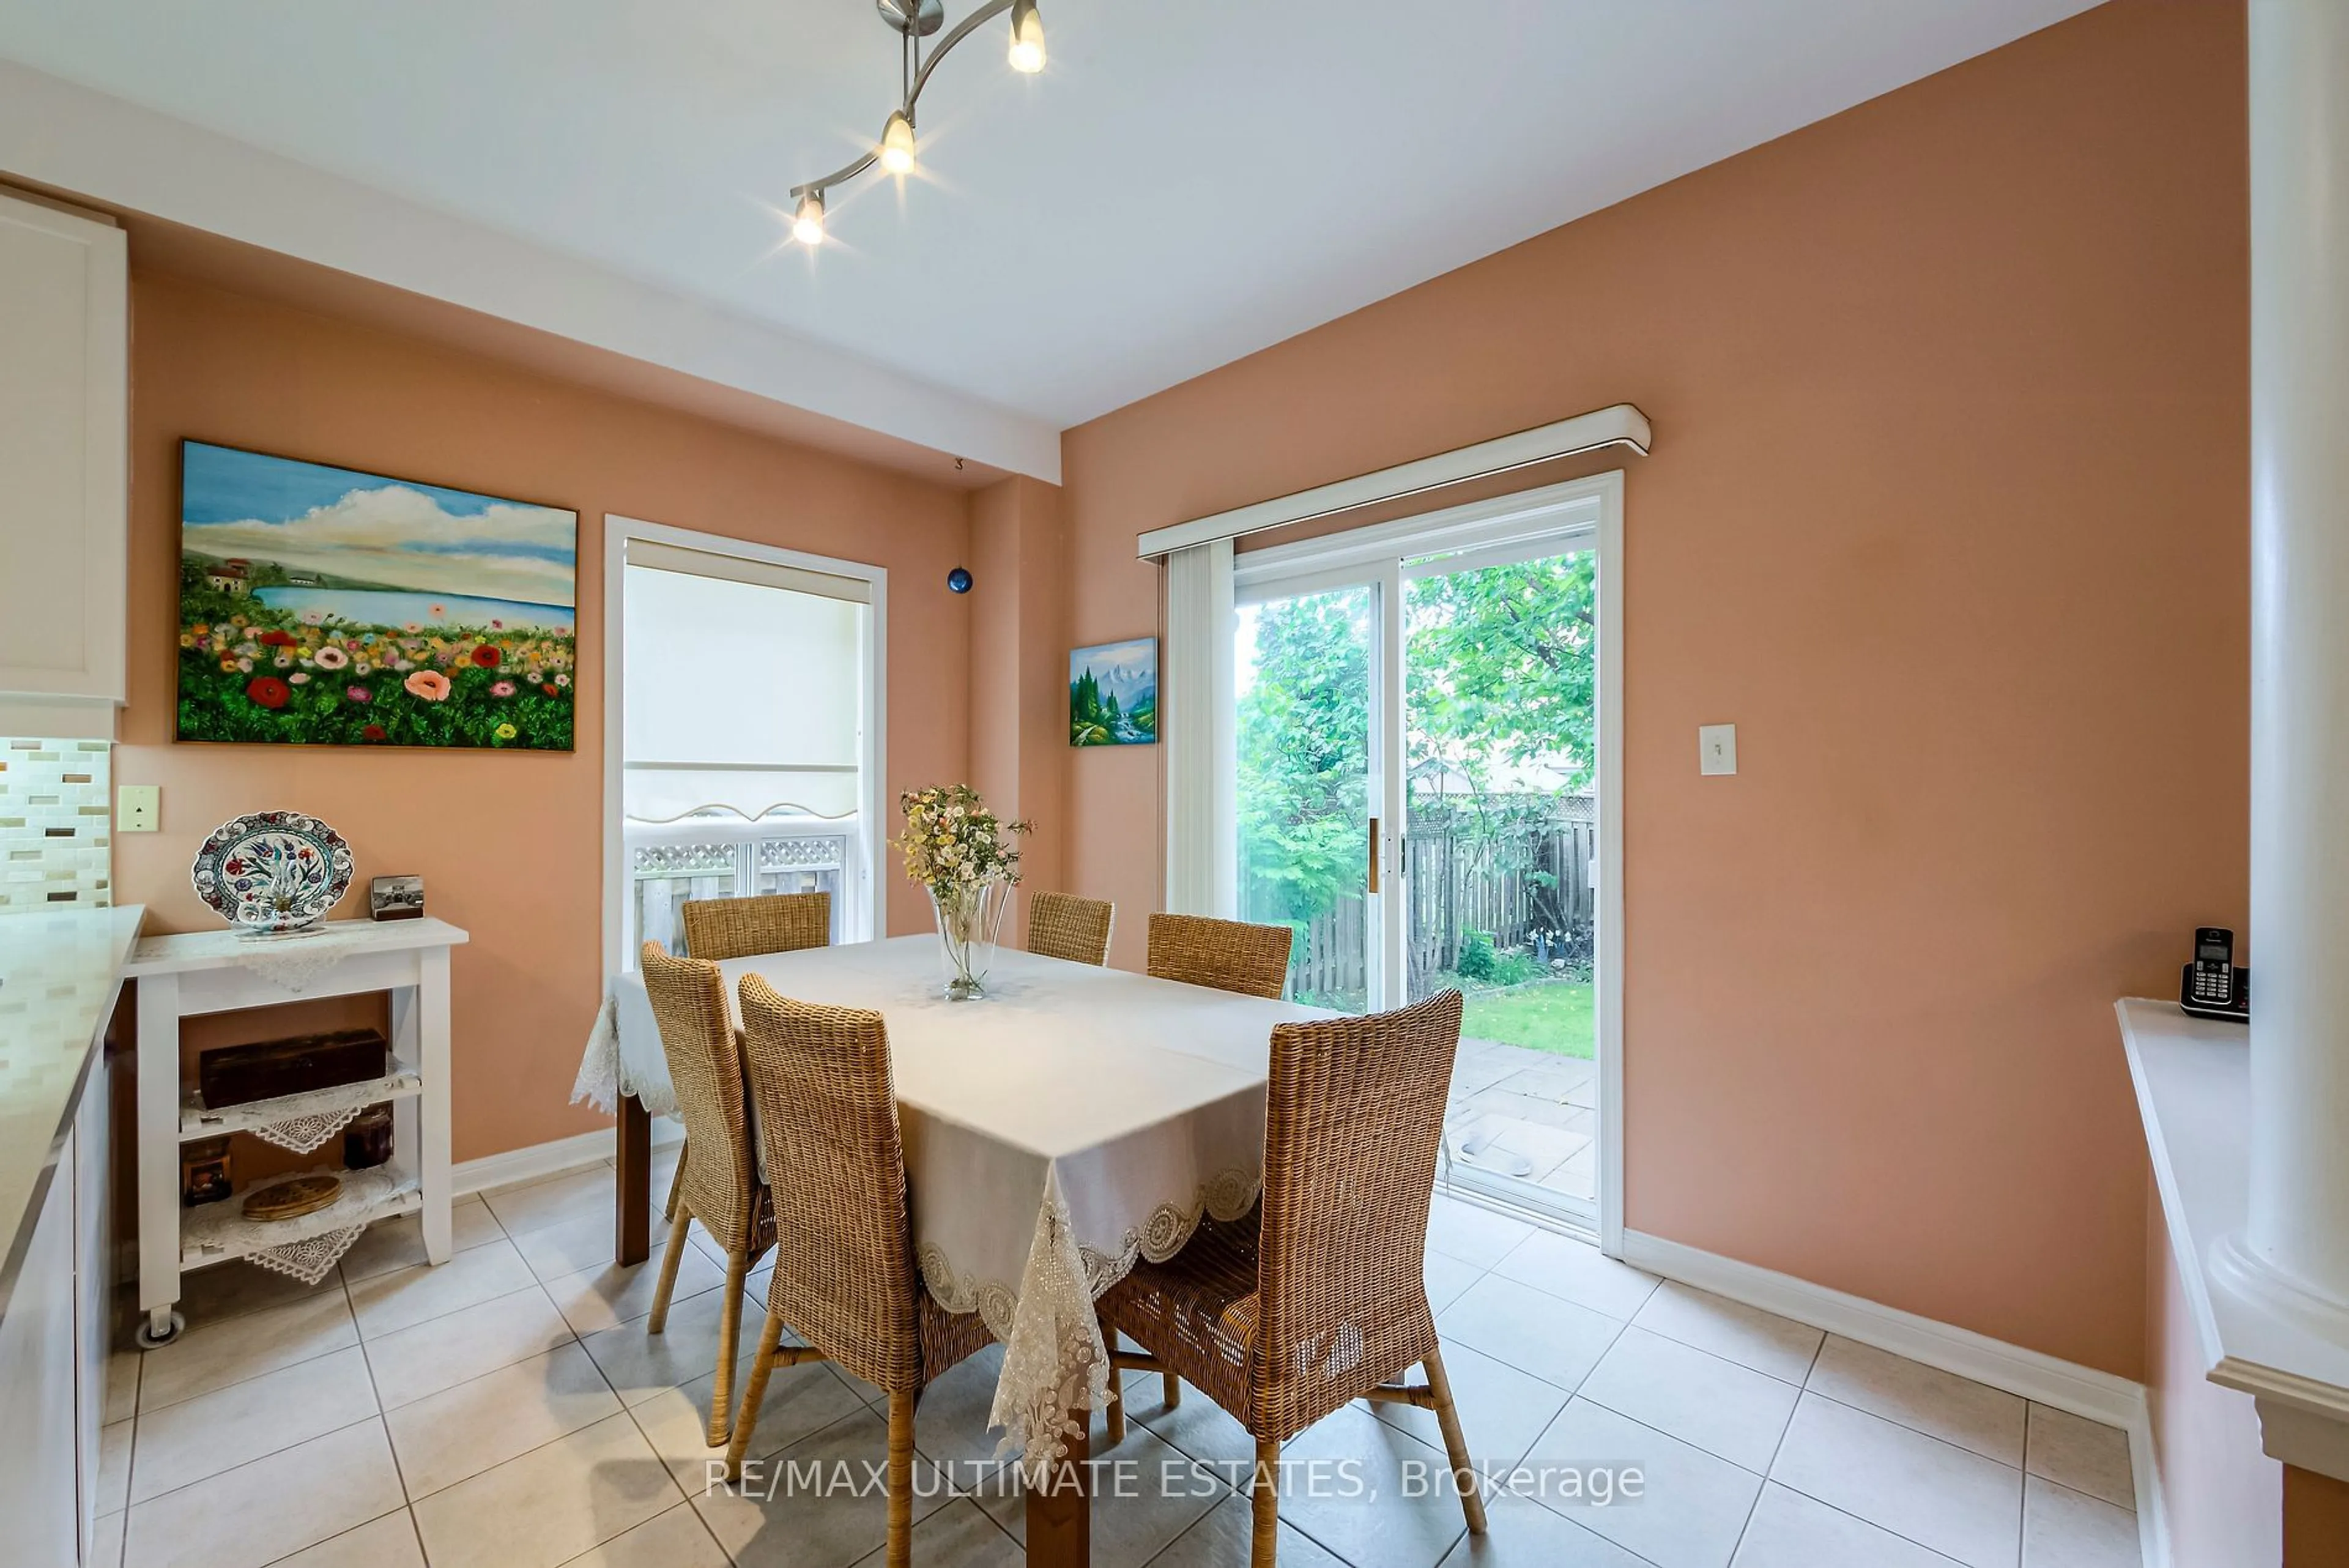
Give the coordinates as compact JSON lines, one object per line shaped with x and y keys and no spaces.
{"x":1582,"y":509}
{"x":874,"y":671}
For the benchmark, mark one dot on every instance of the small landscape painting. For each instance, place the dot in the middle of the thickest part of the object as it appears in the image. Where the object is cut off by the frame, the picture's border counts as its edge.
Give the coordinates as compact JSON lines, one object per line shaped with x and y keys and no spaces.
{"x":325,"y":607}
{"x":1114,"y":694}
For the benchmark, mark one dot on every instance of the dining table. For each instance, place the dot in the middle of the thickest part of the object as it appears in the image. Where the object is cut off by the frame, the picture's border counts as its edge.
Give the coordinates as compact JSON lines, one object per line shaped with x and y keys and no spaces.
{"x":1068,"y":1122}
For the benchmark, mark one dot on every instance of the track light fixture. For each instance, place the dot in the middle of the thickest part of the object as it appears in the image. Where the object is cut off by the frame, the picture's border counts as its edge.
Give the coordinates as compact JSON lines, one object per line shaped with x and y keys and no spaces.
{"x":914,"y":20}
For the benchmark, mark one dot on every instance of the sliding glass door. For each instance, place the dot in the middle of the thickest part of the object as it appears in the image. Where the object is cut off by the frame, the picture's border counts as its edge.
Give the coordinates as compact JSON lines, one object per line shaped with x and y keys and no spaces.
{"x":1416,"y":741}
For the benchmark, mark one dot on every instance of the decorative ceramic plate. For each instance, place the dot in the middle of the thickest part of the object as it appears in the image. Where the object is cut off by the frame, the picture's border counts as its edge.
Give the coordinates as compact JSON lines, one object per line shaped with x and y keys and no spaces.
{"x":292,"y":1199}
{"x":270,"y":871}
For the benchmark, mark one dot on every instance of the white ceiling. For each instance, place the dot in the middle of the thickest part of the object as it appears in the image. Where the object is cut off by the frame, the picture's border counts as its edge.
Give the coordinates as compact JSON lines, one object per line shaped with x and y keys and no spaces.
{"x":1189,"y":180}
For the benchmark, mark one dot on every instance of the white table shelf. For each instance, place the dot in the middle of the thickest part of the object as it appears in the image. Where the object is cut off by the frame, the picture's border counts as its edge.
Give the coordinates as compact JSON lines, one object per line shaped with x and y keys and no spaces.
{"x":195,"y":972}
{"x":199,"y":1121}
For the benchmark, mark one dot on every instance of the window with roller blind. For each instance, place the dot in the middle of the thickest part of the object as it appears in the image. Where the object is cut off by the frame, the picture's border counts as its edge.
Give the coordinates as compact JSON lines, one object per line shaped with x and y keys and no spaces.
{"x":745,"y":712}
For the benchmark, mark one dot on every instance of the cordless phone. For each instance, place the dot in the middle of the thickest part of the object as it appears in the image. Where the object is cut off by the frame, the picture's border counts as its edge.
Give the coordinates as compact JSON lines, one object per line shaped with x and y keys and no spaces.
{"x":2212,"y":987}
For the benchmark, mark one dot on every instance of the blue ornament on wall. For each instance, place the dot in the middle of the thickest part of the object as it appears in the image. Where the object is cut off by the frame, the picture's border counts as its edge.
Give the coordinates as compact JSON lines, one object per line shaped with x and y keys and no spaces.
{"x":958,"y":580}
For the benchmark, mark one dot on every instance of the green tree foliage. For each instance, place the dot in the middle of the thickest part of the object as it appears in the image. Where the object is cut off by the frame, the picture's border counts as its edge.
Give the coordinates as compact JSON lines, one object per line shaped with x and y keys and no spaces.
{"x":1500,"y":673}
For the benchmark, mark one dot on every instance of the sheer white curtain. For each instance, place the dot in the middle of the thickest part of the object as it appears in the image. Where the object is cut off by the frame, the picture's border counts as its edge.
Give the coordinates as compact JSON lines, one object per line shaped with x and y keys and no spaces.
{"x":1202,"y":872}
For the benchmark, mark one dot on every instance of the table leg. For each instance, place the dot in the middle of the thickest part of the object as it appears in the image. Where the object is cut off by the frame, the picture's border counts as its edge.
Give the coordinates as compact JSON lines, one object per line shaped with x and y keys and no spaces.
{"x":1061,"y":1518}
{"x":634,"y":1222}
{"x":431,"y":1026}
{"x":159,"y":1155}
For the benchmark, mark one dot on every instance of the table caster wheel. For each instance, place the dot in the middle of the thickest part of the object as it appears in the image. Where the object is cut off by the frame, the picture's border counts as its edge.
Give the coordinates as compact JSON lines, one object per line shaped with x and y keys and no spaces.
{"x":146,"y":1337}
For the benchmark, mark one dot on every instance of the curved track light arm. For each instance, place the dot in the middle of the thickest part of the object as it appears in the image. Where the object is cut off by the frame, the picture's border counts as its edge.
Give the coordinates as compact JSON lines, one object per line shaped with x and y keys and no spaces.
{"x":954,"y":35}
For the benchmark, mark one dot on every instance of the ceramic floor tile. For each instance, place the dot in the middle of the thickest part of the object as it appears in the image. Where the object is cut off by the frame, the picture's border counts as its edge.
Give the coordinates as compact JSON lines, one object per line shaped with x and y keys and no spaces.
{"x":459,"y":1432}
{"x":211,"y":1355}
{"x":1200,"y":1427}
{"x":1691,"y":1506}
{"x":609,"y":1295}
{"x":1940,"y":1404}
{"x":405,"y":1297}
{"x":1732,"y":1330}
{"x":550,"y":1504}
{"x":246,"y":1517}
{"x":1581,"y":1273}
{"x":1145,"y":1495}
{"x":2085,"y":1456}
{"x":535,"y":1205}
{"x":114,"y":1442}
{"x":122,"y":1372}
{"x":183,"y":1443}
{"x":834,"y":1520}
{"x":1531,"y":1330}
{"x":1521,"y":1534}
{"x":1502,"y":1409}
{"x":1791,"y":1530}
{"x":962,"y":1534}
{"x":641,"y":1364}
{"x":442,"y":1352}
{"x":387,"y":1543}
{"x":950,"y":1426}
{"x":1447,"y":1278}
{"x":800,"y":1400}
{"x":570,"y":1246}
{"x":1375,"y":1496}
{"x":390,"y":1244}
{"x":1935,"y":1493}
{"x":1221,"y":1540}
{"x":2065,"y":1528}
{"x":1728,"y":1410}
{"x":105,"y":1542}
{"x":677,"y":1538}
{"x":1471,"y":1233}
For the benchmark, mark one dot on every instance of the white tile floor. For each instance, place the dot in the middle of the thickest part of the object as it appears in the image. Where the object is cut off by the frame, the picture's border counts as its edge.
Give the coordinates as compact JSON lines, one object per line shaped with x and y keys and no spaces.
{"x":508,"y":1410}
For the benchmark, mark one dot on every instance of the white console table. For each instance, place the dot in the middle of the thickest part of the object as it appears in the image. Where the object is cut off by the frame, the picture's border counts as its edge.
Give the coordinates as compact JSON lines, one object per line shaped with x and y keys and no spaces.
{"x":197,"y":972}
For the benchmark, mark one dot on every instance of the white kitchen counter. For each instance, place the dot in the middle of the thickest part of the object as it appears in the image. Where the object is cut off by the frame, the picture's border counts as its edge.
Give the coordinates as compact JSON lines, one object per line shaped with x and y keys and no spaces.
{"x":59,"y":975}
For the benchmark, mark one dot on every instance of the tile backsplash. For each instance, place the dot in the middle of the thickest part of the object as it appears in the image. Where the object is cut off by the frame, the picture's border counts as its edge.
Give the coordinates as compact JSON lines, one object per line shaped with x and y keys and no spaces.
{"x":55,"y":826}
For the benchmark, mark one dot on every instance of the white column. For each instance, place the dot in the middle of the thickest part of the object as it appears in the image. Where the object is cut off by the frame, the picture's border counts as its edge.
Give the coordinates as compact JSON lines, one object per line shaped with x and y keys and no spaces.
{"x":2297,"y":1242}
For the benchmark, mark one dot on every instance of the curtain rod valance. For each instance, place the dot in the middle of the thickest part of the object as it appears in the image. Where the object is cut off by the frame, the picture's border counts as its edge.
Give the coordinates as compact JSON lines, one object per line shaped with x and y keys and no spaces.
{"x":1620,"y":425}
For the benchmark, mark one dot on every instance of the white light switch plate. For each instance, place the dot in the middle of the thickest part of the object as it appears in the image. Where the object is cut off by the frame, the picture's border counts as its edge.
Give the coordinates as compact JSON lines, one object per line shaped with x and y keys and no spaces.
{"x":1716,"y":748}
{"x":137,"y":809}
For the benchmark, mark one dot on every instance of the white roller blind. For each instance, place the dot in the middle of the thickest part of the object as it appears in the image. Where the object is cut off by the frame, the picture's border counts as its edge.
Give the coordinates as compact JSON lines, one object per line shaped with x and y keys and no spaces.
{"x":1202,"y":878}
{"x":744,"y":691}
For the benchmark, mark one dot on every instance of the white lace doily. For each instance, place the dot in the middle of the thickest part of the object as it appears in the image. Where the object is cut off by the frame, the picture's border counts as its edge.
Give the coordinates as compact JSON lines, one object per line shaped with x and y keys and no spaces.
{"x":300,"y":1135}
{"x":293,"y":961}
{"x":309,"y":1260}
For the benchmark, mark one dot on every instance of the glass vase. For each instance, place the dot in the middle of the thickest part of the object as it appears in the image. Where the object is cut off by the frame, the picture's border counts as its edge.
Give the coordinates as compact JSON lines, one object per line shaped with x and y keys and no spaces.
{"x":971,"y":914}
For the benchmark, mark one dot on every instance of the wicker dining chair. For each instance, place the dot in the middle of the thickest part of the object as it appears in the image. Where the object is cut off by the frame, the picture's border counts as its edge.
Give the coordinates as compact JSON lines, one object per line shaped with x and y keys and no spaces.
{"x":1317,"y":1299}
{"x":1229,"y":955}
{"x":717,"y":1176}
{"x":744,"y":928}
{"x":847,"y":1285}
{"x":1062,"y":926}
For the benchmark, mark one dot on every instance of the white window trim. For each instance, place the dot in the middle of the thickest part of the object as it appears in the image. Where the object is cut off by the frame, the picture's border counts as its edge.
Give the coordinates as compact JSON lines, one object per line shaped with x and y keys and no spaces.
{"x":1589,"y":508}
{"x":617,"y":532}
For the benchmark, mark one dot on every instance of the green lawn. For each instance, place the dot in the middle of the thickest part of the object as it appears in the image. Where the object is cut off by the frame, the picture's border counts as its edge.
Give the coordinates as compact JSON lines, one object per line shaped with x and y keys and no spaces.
{"x":1547,"y":1015}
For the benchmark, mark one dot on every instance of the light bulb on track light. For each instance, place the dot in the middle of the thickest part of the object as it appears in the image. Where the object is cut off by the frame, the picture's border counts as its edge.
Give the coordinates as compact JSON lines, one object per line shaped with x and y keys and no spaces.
{"x":1027,"y":38}
{"x":897,"y":144}
{"x":807,"y":224}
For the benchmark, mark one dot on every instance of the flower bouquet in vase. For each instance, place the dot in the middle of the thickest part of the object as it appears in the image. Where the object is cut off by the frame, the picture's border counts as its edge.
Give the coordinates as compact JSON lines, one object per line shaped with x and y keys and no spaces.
{"x":969,"y":862}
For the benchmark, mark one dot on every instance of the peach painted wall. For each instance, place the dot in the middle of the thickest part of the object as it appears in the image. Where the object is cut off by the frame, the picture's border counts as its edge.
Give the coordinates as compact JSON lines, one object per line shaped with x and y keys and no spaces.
{"x":2221,"y":1494}
{"x":1947,"y":513}
{"x":510,"y":845}
{"x":1019,"y":670}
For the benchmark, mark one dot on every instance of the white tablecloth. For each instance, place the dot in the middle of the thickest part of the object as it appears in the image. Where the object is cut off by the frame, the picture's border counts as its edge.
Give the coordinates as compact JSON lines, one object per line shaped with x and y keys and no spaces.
{"x":1073,"y":1120}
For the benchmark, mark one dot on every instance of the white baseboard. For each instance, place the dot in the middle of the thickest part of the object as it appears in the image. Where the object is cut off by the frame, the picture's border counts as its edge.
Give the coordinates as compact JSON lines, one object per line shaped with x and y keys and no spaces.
{"x":557,"y":1157}
{"x":2030,"y":1373}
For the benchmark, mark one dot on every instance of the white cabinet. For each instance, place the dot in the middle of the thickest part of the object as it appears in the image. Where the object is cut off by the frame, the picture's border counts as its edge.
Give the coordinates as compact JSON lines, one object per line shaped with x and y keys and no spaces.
{"x":63,"y":430}
{"x":40,"y":1469}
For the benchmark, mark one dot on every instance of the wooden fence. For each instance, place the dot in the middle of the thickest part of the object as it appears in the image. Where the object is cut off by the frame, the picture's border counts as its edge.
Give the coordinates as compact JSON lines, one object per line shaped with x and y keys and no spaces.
{"x":1531,"y":889}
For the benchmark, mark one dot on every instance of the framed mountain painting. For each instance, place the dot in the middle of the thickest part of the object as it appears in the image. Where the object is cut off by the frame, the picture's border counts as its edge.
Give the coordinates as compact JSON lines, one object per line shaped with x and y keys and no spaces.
{"x":323,"y":605}
{"x":1113,"y":693}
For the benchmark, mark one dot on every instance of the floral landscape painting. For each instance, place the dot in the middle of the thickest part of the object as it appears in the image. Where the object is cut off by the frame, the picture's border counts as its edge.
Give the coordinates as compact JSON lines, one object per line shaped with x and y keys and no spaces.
{"x":1114,"y":694}
{"x":324,"y":607}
